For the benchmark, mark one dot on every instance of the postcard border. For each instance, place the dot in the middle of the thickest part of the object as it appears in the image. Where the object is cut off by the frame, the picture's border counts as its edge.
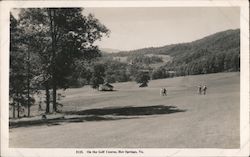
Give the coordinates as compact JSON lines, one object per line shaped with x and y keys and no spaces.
{"x":244,"y":77}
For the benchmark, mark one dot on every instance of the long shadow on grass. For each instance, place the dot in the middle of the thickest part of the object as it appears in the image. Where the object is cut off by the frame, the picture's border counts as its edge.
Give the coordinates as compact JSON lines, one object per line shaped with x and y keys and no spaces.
{"x":59,"y":121}
{"x":129,"y":111}
{"x":101,"y":114}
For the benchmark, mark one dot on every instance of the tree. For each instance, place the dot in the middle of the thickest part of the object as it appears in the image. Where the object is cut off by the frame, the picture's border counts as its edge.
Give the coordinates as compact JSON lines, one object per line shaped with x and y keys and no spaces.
{"x":82,"y":75}
{"x":72,"y":36}
{"x":34,"y":25}
{"x":60,"y":37}
{"x":97,"y":75}
{"x":20,"y":74}
{"x":14,"y":62}
{"x":142,"y":77}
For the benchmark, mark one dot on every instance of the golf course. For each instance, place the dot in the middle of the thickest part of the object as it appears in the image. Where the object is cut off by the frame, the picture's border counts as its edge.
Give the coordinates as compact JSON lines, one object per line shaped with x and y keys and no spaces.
{"x":133,"y":117}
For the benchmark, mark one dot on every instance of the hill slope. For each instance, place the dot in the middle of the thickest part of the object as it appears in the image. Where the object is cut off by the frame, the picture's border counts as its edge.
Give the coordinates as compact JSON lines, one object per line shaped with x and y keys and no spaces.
{"x":221,"y":41}
{"x":215,"y":53}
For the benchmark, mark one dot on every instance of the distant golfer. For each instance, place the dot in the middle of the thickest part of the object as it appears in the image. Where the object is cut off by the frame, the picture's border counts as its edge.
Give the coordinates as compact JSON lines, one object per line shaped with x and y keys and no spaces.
{"x":199,"y":89}
{"x":204,"y":89}
{"x":164,"y":91}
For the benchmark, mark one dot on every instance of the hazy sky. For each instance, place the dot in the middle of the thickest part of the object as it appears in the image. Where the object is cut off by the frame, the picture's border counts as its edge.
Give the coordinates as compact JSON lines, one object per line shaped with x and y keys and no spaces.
{"x":133,"y":28}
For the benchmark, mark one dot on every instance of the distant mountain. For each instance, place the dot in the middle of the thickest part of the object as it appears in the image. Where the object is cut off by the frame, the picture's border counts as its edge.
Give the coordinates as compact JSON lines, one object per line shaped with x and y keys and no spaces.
{"x":219,"y":41}
{"x":215,"y":53}
{"x":109,"y":50}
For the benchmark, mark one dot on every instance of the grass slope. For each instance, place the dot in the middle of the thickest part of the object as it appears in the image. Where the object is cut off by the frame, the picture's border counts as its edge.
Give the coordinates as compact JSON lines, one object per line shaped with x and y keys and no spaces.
{"x":183,"y":119}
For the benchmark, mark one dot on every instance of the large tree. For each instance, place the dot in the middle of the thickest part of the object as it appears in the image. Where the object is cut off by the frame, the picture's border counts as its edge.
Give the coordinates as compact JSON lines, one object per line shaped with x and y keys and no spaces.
{"x":22,"y":68}
{"x":59,"y":38}
{"x":73,"y":36}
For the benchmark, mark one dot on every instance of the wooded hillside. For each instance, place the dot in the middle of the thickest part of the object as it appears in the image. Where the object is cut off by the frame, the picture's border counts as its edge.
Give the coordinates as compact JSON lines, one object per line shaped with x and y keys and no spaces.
{"x":215,"y":53}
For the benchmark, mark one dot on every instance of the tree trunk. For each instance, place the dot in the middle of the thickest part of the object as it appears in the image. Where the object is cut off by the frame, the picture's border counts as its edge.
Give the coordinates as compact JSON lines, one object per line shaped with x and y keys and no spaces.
{"x":28,"y":84}
{"x":14,"y":105}
{"x":13,"y":110}
{"x":18,"y":109}
{"x":47,"y":97}
{"x":52,"y":15}
{"x":54,"y":97}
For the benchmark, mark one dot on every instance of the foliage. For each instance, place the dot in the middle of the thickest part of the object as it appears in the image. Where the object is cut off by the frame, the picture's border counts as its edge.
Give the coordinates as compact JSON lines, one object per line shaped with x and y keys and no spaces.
{"x":57,"y":39}
{"x":142,"y":77}
{"x":159,"y":73}
{"x":116,"y":71}
{"x":21,"y":71}
{"x":219,"y":52}
{"x":142,"y":59}
{"x":97,"y":75}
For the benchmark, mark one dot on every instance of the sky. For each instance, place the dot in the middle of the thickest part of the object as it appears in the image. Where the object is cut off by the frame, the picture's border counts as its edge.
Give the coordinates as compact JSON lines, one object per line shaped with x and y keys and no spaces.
{"x":135,"y":28}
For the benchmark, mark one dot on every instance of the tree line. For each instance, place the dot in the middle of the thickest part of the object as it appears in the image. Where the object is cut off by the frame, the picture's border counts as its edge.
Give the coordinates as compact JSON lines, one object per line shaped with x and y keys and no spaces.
{"x":199,"y":61}
{"x":219,"y":52}
{"x":143,"y":59}
{"x":209,"y":63}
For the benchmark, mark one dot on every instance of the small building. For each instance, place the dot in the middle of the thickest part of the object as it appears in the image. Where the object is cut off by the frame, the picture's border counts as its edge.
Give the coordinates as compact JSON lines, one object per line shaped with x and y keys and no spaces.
{"x":106,"y":87}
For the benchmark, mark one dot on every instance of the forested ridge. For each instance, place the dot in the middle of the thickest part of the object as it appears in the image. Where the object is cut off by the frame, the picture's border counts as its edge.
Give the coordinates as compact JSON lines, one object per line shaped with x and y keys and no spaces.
{"x":215,"y":53}
{"x":219,"y":41}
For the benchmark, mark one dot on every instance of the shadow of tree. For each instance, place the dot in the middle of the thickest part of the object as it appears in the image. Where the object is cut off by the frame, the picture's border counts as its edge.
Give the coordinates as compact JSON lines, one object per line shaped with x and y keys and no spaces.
{"x":59,"y":121}
{"x":130,"y":111}
{"x":101,"y":114}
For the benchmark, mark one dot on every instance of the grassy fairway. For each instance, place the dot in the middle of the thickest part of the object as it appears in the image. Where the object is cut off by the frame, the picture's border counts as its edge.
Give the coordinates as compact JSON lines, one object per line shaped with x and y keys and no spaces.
{"x":210,"y":121}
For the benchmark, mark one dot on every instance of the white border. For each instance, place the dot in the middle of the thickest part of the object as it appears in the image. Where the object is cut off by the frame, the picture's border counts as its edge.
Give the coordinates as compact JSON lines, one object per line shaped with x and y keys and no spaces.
{"x":244,"y":77}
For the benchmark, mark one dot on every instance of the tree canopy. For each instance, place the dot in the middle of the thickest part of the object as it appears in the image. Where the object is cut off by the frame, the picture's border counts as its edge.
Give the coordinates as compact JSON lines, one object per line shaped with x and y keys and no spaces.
{"x":55,"y":40}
